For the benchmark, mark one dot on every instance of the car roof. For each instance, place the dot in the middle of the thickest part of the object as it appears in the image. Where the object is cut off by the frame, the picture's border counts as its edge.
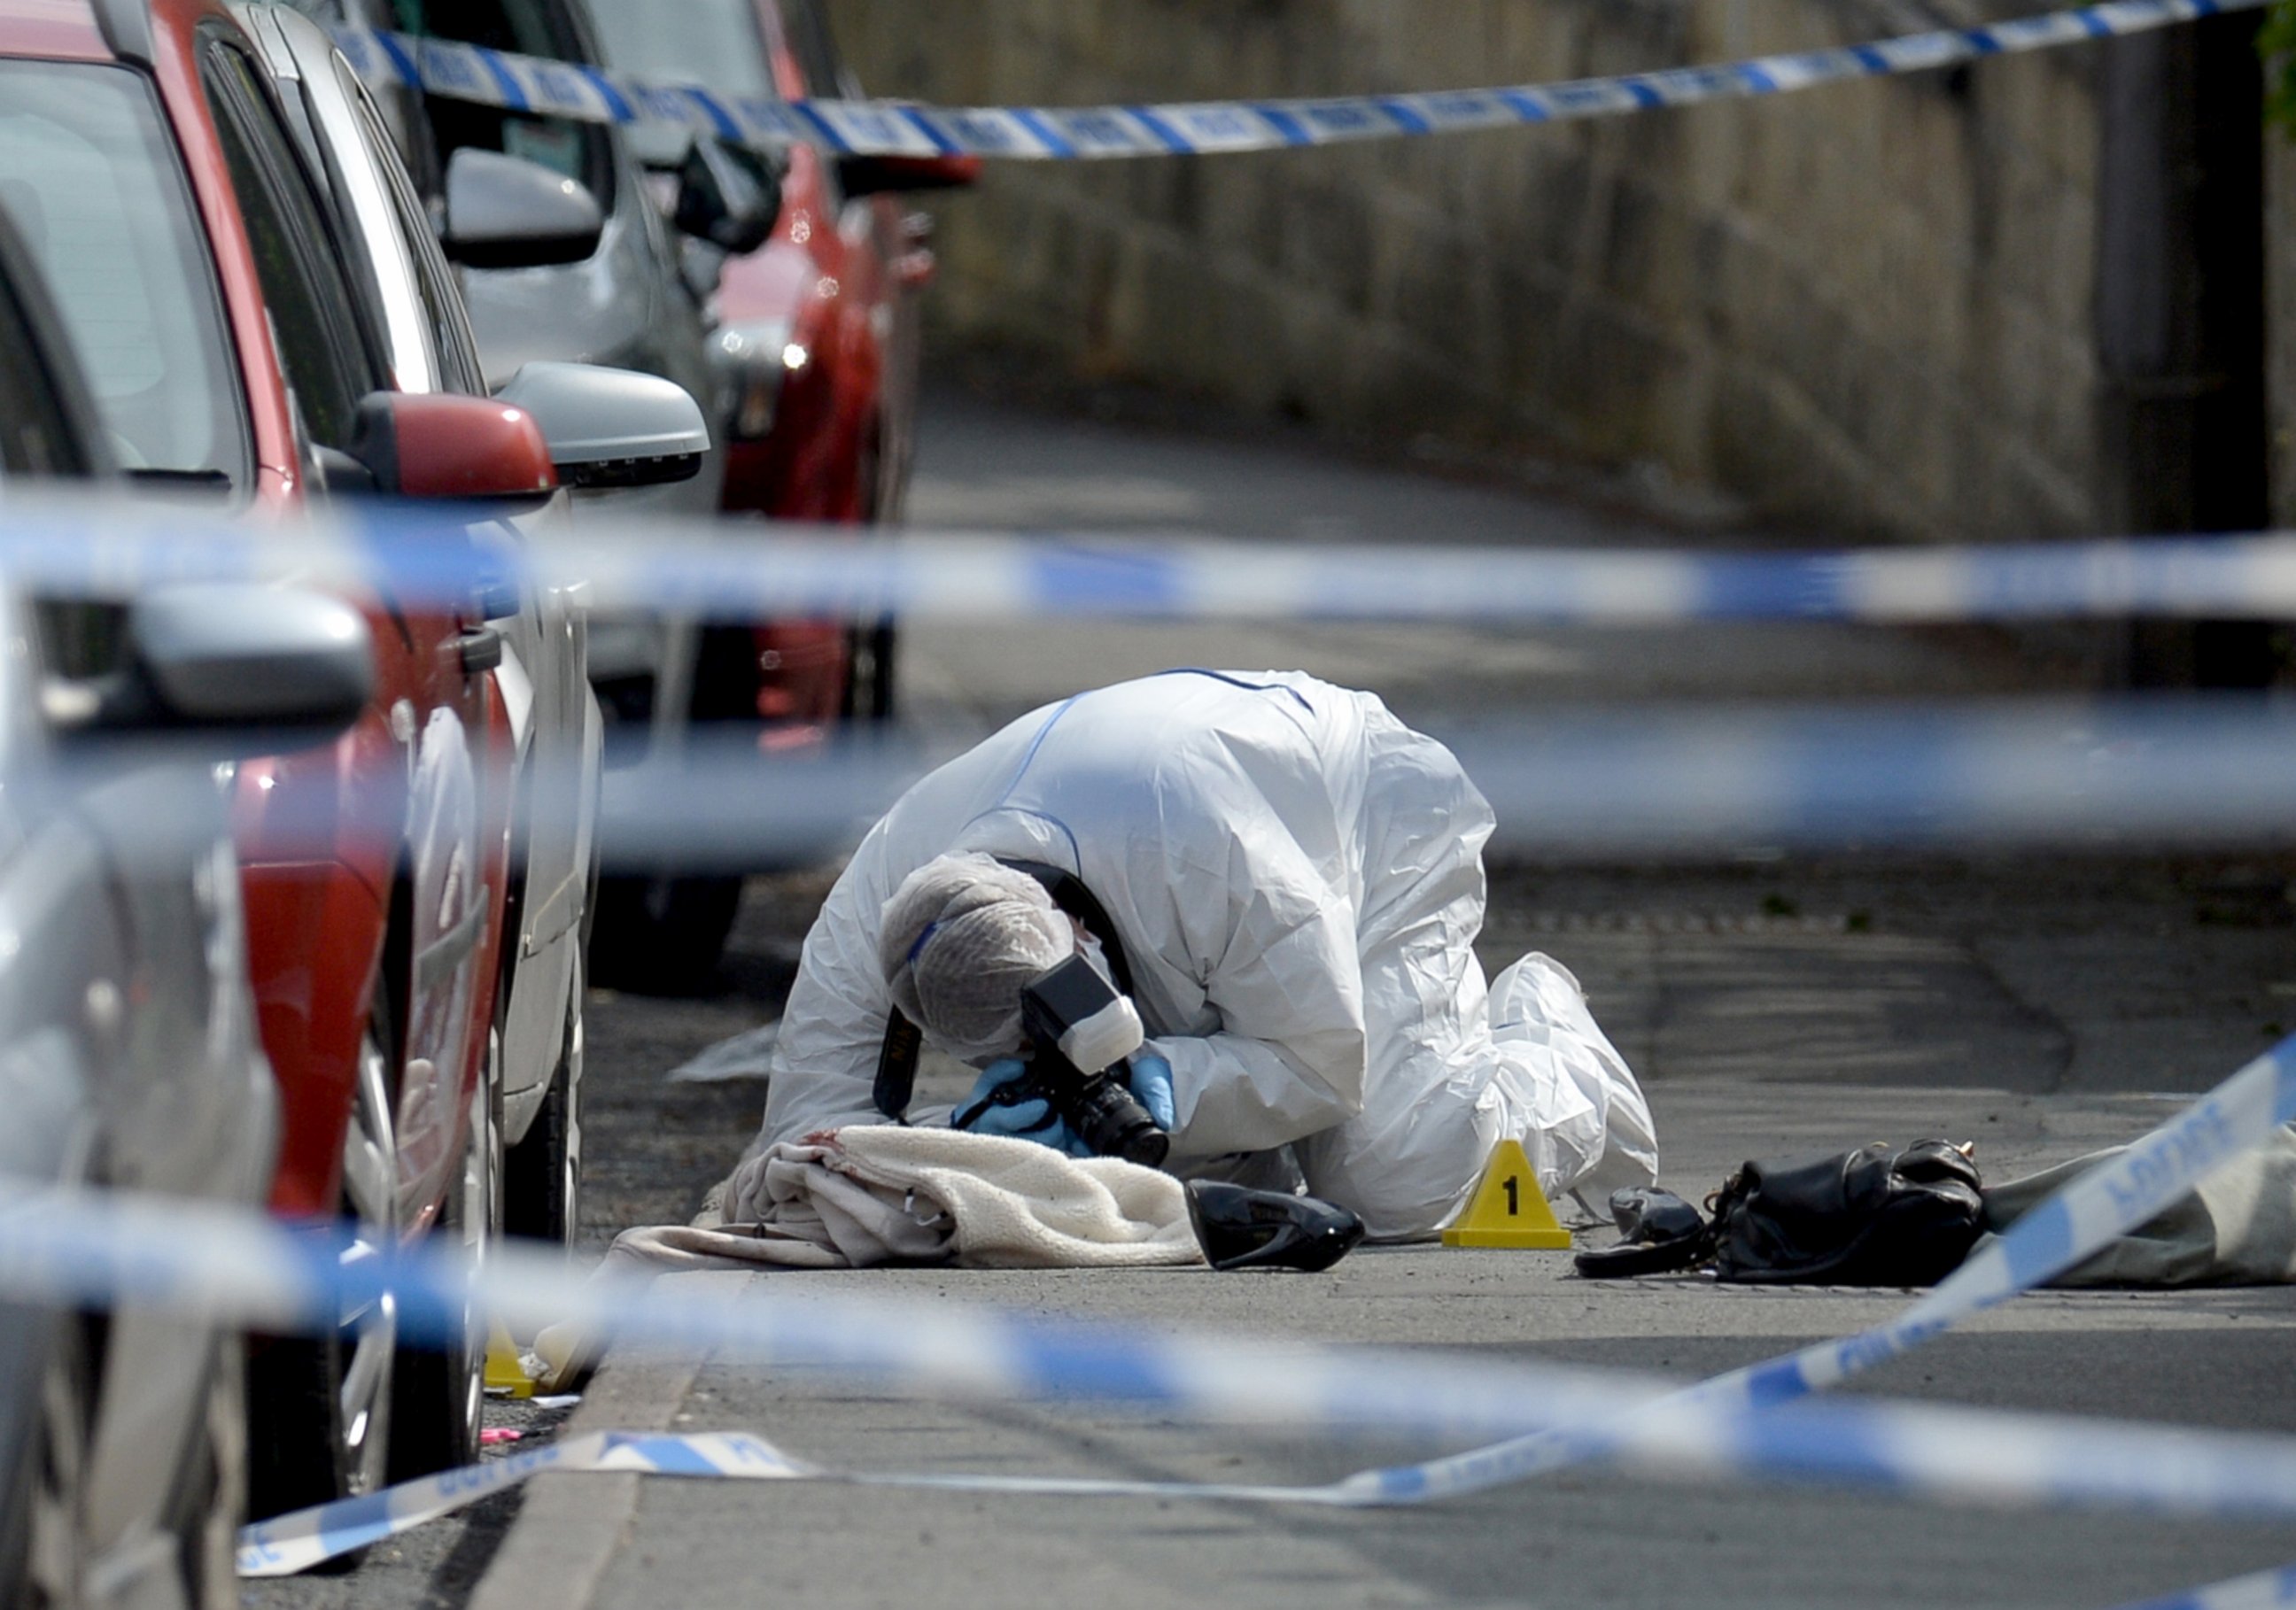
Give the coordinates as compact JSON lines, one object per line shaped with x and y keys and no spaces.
{"x":66,"y":29}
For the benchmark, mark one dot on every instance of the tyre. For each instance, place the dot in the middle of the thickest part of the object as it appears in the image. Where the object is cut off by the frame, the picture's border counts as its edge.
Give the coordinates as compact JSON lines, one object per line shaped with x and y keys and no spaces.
{"x":439,"y":1389}
{"x":662,"y":935}
{"x":319,"y":1408}
{"x":726,"y":677}
{"x":869,"y":679}
{"x":542,"y":1174}
{"x":869,"y":687}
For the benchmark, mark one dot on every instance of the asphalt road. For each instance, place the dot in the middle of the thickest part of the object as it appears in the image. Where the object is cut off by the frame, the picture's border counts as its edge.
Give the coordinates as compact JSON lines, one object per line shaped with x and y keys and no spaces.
{"x":2041,"y":1007}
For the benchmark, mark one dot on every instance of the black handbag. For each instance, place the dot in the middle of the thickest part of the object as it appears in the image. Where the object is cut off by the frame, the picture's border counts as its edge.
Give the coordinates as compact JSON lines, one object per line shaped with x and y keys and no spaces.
{"x":1875,"y":1216}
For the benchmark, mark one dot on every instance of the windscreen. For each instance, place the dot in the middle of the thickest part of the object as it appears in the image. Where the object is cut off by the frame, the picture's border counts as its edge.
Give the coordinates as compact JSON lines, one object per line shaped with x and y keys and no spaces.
{"x":581,"y":151}
{"x":91,"y":181}
{"x":712,"y":43}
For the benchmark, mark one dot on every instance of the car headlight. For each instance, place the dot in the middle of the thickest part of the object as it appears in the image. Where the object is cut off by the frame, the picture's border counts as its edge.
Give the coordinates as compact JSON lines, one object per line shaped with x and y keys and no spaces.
{"x":755,"y":358}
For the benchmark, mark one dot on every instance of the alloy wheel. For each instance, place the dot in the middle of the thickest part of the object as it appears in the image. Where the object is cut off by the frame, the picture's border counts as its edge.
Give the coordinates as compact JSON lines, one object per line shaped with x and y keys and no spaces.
{"x":440,"y":1385}
{"x":369,"y":1332}
{"x":571,"y":1070}
{"x":479,"y":1222}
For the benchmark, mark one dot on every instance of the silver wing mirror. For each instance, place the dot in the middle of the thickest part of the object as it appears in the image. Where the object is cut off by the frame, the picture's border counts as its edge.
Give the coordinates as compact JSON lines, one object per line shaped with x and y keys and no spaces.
{"x":276,"y":667}
{"x":506,"y":212}
{"x":611,"y":427}
{"x":238,"y":655}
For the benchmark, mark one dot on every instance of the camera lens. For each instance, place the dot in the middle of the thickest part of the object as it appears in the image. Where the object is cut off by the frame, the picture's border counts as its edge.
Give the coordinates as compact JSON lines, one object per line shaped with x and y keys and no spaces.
{"x":1107,"y":1119}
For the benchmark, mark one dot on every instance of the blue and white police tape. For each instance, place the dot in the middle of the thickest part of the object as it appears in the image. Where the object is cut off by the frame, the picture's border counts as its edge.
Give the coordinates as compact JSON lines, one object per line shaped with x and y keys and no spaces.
{"x":1922,"y":1452}
{"x":528,"y":84}
{"x":2265,"y":1590}
{"x":2071,"y":774}
{"x":1588,"y":784}
{"x":1644,"y":780}
{"x":1585,"y":784}
{"x":736,"y":570}
{"x":1956,"y":1456}
{"x":310,"y":1537}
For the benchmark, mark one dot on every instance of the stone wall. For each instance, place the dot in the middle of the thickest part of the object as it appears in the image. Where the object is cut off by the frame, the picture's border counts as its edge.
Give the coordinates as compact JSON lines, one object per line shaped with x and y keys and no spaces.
{"x":1868,"y":308}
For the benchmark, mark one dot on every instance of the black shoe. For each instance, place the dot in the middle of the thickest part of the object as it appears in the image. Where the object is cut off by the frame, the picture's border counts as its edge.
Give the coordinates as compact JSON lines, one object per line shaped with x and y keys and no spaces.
{"x":1244,"y":1229}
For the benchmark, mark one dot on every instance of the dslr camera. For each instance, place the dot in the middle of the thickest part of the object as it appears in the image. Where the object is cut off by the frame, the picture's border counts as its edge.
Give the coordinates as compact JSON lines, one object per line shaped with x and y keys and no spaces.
{"x":1080,"y":1030}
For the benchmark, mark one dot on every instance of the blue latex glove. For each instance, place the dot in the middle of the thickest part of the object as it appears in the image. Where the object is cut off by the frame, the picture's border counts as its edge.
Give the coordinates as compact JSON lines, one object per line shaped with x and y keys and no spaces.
{"x":1151,"y":1087}
{"x":983,"y":1113}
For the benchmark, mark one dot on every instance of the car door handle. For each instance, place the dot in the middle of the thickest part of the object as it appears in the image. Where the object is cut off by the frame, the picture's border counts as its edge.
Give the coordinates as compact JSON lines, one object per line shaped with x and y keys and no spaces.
{"x":480,"y":650}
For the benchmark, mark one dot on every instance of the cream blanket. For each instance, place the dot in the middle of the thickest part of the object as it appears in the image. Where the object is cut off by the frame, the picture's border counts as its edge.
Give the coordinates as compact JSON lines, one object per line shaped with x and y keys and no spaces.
{"x":871,"y":1194}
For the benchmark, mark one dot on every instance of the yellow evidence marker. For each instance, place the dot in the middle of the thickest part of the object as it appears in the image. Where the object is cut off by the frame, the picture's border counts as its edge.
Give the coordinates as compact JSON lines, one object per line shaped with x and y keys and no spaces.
{"x":1508,"y":1208}
{"x":506,"y":1375}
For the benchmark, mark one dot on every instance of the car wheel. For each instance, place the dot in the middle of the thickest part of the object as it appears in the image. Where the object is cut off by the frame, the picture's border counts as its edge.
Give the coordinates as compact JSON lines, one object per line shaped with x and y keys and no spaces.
{"x":319,"y":1408}
{"x":542,"y":1174}
{"x":870,"y":646}
{"x":726,"y":677}
{"x":46,"y":1551}
{"x":438,"y":1397}
{"x":869,"y":652}
{"x":662,"y":935}
{"x":882,"y":645}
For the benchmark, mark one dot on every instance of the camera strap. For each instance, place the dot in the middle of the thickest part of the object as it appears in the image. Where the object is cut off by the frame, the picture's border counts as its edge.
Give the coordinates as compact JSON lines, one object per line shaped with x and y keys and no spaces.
{"x":897,"y":1058}
{"x":1069,"y":892}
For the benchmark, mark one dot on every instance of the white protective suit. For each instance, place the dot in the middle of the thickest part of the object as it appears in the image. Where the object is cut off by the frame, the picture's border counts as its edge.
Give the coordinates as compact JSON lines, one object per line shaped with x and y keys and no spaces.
{"x":1297,"y":879}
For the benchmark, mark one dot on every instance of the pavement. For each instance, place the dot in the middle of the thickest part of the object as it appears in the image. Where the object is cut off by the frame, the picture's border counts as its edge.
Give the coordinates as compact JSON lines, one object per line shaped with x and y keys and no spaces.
{"x":2041,"y":1007}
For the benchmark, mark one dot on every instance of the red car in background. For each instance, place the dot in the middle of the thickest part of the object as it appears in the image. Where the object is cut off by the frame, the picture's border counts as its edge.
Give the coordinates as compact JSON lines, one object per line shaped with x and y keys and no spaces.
{"x":145,"y":159}
{"x":816,"y":337}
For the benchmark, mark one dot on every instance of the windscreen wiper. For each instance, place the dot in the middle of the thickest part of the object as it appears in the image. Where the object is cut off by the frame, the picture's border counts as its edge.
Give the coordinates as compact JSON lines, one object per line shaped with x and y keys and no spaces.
{"x":184,"y":481}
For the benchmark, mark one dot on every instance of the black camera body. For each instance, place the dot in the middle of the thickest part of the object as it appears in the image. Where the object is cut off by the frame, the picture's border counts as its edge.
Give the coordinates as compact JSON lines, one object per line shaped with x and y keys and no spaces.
{"x":1076,"y":1020}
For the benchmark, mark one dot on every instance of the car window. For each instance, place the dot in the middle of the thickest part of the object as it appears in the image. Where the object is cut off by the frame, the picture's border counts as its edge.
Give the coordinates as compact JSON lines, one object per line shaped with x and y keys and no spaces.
{"x":453,"y":349}
{"x":355,"y":153}
{"x":29,"y":442}
{"x":582,"y":151}
{"x":826,"y":76}
{"x":35,"y":423}
{"x":314,"y":311}
{"x":81,"y":638}
{"x":92,"y":181}
{"x":806,"y":30}
{"x":401,"y":107}
{"x":714,"y":43}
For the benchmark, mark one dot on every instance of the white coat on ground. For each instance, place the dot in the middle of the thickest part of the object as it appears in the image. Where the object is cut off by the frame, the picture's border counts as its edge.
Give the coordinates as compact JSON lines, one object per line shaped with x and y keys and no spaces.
{"x":1297,"y":880}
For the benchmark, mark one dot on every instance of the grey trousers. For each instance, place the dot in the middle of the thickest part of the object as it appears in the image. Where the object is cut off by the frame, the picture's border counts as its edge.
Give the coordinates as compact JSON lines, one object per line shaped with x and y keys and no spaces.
{"x":2237,"y":1229}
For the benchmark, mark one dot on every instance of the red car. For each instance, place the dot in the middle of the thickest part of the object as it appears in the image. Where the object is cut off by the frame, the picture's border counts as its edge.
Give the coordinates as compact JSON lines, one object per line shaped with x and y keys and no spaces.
{"x":817,"y":337}
{"x":145,"y":158}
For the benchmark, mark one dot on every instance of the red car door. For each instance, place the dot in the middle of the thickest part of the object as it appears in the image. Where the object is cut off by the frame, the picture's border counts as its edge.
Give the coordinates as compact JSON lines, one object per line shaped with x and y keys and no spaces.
{"x":409,"y":791}
{"x":374,"y":869}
